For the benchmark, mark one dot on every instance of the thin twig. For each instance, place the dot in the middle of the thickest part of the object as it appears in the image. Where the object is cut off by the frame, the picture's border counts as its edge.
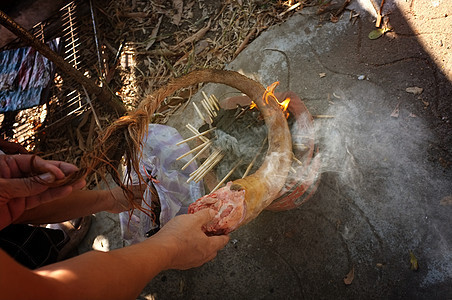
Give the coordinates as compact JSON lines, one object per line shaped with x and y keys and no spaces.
{"x":92,"y":108}
{"x":210,"y":167}
{"x":199,"y":112}
{"x":206,"y":146}
{"x":195,"y":131}
{"x":226,"y":177}
{"x":248,"y":169}
{"x":196,"y":136}
{"x":192,"y":150}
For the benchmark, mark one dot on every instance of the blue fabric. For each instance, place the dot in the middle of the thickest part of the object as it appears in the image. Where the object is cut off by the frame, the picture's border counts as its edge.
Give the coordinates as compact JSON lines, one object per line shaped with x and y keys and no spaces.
{"x":24,"y":74}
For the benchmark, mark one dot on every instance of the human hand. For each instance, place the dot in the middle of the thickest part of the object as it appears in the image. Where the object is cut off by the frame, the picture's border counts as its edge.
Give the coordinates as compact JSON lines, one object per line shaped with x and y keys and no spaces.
{"x":12,"y":148}
{"x":187,"y":243}
{"x":119,"y":201}
{"x":21,"y":190}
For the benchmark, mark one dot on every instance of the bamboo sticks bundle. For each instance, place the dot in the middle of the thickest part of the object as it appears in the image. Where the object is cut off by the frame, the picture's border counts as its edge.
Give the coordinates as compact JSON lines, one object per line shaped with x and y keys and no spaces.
{"x":211,"y":107}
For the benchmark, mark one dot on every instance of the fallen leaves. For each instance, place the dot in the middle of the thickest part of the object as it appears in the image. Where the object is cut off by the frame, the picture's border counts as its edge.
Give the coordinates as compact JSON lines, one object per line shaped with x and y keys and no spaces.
{"x":446,"y":201}
{"x":348,"y":279}
{"x":414,"y":264}
{"x":414,"y":90}
{"x":375,"y":34}
{"x":195,"y":37}
{"x":396,"y":111}
{"x":178,"y":6}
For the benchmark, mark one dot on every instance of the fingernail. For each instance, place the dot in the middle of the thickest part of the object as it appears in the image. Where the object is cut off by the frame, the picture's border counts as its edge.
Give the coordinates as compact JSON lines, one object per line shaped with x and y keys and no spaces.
{"x":47,"y":177}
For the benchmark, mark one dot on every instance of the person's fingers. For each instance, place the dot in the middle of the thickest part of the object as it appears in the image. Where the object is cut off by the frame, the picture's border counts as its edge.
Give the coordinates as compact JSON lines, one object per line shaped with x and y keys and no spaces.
{"x":65,"y":167}
{"x":79,"y":184}
{"x":44,"y":166}
{"x":23,"y":187}
{"x":204,"y":215}
{"x":48,"y":196}
{"x":219,"y":241}
{"x":4,"y":169}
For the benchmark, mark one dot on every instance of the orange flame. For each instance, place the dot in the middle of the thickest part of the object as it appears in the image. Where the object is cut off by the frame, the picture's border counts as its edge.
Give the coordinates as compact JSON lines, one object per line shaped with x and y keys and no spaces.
{"x":269,"y":93}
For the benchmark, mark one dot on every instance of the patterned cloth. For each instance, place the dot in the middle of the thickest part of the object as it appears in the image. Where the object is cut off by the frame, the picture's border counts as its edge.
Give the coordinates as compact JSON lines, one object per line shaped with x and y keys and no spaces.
{"x":24,"y":75}
{"x":175,"y":194}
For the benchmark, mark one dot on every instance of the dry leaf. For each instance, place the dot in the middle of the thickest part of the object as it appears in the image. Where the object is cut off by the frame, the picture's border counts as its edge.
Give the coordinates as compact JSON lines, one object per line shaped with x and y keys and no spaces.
{"x":414,"y":90}
{"x":154,"y":34}
{"x":321,"y":75}
{"x":350,"y":276}
{"x":195,"y":37}
{"x":395,"y":112}
{"x":446,"y":201}
{"x":375,"y":34}
{"x":413,"y":262}
{"x":178,"y":5}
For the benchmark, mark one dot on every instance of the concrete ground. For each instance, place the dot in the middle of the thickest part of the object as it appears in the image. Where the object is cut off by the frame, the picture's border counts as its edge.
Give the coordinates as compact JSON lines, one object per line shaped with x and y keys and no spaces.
{"x":385,"y":196}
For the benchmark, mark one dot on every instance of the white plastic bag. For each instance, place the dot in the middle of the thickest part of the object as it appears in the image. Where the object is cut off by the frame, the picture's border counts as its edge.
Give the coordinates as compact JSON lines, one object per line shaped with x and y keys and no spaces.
{"x":175,"y":194}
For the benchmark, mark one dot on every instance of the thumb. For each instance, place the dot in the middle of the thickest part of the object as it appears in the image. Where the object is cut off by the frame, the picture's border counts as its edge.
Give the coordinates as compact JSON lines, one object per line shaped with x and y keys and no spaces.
{"x":219,"y":241}
{"x":25,"y":187}
{"x":205,"y":215}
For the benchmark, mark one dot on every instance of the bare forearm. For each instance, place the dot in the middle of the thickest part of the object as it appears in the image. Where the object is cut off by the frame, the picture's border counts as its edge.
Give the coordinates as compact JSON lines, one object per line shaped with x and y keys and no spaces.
{"x":78,"y":204}
{"x":118,"y":274}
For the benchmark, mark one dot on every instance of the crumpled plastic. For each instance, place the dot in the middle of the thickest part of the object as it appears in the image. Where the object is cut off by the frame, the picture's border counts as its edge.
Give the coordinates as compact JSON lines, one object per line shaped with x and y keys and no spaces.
{"x":175,"y":194}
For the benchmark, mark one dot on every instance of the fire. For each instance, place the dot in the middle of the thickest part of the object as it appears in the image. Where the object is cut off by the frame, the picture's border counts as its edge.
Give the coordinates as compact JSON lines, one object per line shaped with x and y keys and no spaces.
{"x":269,"y":93}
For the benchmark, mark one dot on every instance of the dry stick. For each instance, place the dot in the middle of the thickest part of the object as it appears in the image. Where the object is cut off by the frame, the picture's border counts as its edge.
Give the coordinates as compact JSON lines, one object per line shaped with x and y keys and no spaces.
{"x":245,"y":42}
{"x":204,"y":95}
{"x":210,"y":167}
{"x":206,"y":146}
{"x":92,"y":108}
{"x":341,"y":9}
{"x":213,"y":104}
{"x":210,"y":103}
{"x":214,"y":100}
{"x":195,"y":131}
{"x":95,"y":38}
{"x":196,"y":136}
{"x":201,"y":170}
{"x":56,"y":152}
{"x":379,"y":15}
{"x":323,"y":116}
{"x":207,"y":108}
{"x":302,"y":146}
{"x":199,"y":112}
{"x":226,"y":177}
{"x":204,"y":165}
{"x":102,"y":93}
{"x":248,"y":169}
{"x":192,"y":150}
{"x":297,"y":161}
{"x":211,"y":108}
